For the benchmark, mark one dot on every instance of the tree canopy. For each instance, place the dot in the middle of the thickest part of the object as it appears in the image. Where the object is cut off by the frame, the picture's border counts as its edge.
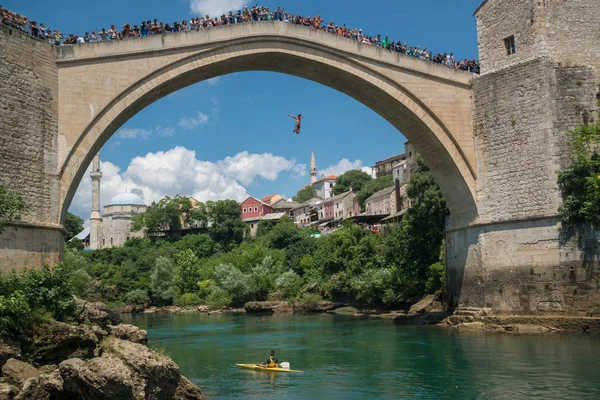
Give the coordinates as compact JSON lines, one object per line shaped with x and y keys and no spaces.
{"x":11,"y":205}
{"x":169,"y":216}
{"x":354,"y":179}
{"x":305,"y":194}
{"x":227,"y":227}
{"x":580,"y":182}
{"x":73,"y":225}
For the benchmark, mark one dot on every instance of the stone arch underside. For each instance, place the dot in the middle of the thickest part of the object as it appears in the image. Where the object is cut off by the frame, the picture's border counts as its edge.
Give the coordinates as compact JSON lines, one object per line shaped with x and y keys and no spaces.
{"x":402,"y":108}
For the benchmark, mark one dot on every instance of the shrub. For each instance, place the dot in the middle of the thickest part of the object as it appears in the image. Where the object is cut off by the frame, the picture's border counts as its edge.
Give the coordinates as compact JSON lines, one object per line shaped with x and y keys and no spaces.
{"x":161,"y":281}
{"x":237,"y":284}
{"x":289,"y":284}
{"x":188,"y":299}
{"x":14,"y":308}
{"x":309,"y":301}
{"x":136,"y":297}
{"x":371,"y":285}
{"x":48,"y":290}
{"x":81,"y":282}
{"x":187,"y":272}
{"x":218,"y":298}
{"x":436,"y":278}
{"x":76,"y":245}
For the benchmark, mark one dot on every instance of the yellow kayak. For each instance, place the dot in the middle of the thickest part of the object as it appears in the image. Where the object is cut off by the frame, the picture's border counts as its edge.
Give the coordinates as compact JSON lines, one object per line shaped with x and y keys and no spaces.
{"x":259,"y":368}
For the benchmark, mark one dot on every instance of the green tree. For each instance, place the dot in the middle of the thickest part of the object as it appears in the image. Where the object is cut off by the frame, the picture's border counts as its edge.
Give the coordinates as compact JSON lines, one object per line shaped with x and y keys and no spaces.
{"x":169,"y":216}
{"x":73,"y":225}
{"x":11,"y":205}
{"x":163,"y":290}
{"x":187,"y":274}
{"x":580,"y":182}
{"x":75,"y":244}
{"x":371,"y":187}
{"x":305,"y":194}
{"x":354,"y":179}
{"x":227,"y":227}
{"x":415,"y":243}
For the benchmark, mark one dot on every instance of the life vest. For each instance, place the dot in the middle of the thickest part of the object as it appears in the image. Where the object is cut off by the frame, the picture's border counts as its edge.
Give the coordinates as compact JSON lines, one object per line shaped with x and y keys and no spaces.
{"x":272,"y":363}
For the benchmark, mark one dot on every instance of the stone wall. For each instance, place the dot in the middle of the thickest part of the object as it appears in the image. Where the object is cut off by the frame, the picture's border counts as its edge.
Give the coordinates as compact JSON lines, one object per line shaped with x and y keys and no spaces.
{"x":28,"y":149}
{"x":522,"y":115}
{"x":566,"y":31}
{"x":525,"y":267}
{"x":29,"y":123}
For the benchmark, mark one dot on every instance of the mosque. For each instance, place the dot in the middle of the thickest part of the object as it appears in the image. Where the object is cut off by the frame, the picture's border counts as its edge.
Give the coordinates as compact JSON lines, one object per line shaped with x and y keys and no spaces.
{"x":114,"y":228}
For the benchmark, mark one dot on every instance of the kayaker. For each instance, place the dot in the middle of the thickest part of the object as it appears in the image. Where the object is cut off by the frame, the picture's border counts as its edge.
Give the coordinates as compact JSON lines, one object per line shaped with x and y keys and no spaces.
{"x":271,"y":362}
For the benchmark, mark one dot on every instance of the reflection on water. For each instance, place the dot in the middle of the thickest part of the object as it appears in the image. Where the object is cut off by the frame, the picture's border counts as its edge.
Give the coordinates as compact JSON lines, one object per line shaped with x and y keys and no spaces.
{"x":353,"y":358}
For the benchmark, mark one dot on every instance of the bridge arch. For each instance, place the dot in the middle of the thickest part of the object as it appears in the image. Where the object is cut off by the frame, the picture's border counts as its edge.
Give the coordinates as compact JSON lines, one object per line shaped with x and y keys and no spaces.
{"x":430,"y":104}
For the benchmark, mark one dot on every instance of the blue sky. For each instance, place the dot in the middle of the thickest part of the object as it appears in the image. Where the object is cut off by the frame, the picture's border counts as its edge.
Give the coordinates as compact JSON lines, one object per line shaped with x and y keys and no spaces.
{"x":234,"y":131}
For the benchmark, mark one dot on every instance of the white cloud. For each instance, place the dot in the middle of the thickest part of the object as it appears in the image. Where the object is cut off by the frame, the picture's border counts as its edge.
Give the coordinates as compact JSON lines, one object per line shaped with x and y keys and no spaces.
{"x":215,"y":7}
{"x":191,"y":123}
{"x":344,"y":165}
{"x":127,"y":133}
{"x":178,"y":171}
{"x":168,"y":131}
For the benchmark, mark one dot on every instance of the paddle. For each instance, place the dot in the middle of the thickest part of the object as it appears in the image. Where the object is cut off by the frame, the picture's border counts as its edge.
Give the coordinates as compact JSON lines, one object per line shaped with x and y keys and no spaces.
{"x":285,"y":365}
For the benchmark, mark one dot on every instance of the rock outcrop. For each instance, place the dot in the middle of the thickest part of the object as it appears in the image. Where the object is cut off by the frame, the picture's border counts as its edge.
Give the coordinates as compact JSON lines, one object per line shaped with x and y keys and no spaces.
{"x":57,"y":341}
{"x":16,"y":372}
{"x":97,"y":313}
{"x":128,"y":332}
{"x":8,"y":350}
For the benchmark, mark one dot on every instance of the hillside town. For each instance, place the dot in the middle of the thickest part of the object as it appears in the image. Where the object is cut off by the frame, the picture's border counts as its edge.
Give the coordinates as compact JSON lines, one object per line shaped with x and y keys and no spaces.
{"x":324,"y":212}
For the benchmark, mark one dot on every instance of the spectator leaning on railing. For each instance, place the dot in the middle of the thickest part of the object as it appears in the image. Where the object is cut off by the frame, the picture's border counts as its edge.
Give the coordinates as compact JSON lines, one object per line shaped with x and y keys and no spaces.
{"x":253,"y":14}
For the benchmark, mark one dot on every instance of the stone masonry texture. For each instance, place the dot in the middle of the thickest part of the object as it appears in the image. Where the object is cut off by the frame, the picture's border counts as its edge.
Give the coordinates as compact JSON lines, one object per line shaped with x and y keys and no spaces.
{"x":28,"y":146}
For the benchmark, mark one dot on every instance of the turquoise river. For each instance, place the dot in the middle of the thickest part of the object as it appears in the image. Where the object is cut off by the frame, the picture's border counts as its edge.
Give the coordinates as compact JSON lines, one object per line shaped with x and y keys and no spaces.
{"x":359,"y":358}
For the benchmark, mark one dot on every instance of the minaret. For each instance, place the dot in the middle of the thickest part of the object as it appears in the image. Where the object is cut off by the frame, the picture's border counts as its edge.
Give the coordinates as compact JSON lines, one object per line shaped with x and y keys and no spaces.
{"x":96,"y":218}
{"x":313,"y":169}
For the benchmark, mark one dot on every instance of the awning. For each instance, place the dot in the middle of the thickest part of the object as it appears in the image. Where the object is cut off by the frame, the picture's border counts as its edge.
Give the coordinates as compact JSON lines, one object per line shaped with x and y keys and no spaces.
{"x":396,"y":215}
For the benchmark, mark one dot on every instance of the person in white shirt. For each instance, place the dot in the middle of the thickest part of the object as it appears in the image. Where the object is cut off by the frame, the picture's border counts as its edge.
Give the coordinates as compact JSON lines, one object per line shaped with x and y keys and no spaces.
{"x":80,"y":40}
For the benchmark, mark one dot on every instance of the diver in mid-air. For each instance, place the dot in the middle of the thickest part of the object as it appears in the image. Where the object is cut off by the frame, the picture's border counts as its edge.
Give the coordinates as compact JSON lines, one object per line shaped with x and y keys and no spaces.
{"x":298,"y":119}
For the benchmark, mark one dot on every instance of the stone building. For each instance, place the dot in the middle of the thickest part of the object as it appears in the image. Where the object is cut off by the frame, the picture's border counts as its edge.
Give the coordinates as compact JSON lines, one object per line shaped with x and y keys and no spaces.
{"x":324,"y":185}
{"x":341,"y":207}
{"x":307,"y":212}
{"x":382,"y":202}
{"x":114,"y":229}
{"x":385,"y":167}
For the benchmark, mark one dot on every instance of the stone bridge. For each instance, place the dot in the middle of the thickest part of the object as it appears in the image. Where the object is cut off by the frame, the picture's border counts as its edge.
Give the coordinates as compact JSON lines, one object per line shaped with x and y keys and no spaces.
{"x":494,"y":155}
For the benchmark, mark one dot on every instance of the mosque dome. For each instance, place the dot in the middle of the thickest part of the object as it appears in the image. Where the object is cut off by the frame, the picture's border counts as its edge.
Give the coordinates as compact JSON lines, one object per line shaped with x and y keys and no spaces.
{"x":126,"y":199}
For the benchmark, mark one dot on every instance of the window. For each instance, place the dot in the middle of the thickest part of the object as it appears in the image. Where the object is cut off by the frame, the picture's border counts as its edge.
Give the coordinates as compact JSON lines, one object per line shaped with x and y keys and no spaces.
{"x":244,"y":211}
{"x":255,"y":209}
{"x":509,"y":44}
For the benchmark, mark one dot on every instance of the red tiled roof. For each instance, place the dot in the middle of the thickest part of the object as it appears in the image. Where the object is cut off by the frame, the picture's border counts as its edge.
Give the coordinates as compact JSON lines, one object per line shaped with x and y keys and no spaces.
{"x":266,"y":199}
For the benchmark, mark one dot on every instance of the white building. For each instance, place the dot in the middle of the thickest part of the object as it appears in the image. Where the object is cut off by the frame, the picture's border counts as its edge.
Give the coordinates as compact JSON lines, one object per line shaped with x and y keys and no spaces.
{"x":114,"y":229}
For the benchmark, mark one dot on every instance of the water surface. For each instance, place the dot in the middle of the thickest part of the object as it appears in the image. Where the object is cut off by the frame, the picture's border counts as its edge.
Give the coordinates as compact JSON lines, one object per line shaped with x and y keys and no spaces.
{"x":357,"y":358}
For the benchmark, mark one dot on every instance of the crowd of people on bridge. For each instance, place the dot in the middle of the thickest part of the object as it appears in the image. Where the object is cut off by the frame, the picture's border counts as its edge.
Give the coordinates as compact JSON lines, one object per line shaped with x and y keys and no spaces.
{"x":252,"y":14}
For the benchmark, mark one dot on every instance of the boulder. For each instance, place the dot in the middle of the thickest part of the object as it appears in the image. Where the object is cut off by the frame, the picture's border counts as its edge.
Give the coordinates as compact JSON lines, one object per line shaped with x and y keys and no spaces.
{"x":9,"y":350}
{"x":17,"y":372}
{"x":317,"y":307}
{"x":271,"y":307}
{"x":97,"y":313}
{"x":32,"y":390}
{"x":8,"y":391}
{"x":159,"y":375}
{"x":426,"y":304}
{"x":57,"y":341}
{"x":186,"y":390}
{"x":98,"y":379}
{"x":128,"y":332}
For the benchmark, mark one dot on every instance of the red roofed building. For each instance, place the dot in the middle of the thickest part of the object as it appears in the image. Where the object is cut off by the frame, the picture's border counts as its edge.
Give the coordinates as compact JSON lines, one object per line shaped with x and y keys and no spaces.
{"x":253,"y":208}
{"x":273,"y":199}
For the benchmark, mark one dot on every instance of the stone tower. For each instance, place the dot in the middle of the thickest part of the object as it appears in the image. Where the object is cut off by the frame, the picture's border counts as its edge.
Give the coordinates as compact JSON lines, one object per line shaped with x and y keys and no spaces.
{"x":96,"y":218}
{"x":313,"y":169}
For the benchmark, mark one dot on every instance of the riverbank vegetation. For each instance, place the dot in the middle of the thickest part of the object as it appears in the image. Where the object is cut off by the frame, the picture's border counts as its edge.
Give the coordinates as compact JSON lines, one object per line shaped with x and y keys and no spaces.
{"x":284,"y":262}
{"x":580,"y":182}
{"x":222,"y":267}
